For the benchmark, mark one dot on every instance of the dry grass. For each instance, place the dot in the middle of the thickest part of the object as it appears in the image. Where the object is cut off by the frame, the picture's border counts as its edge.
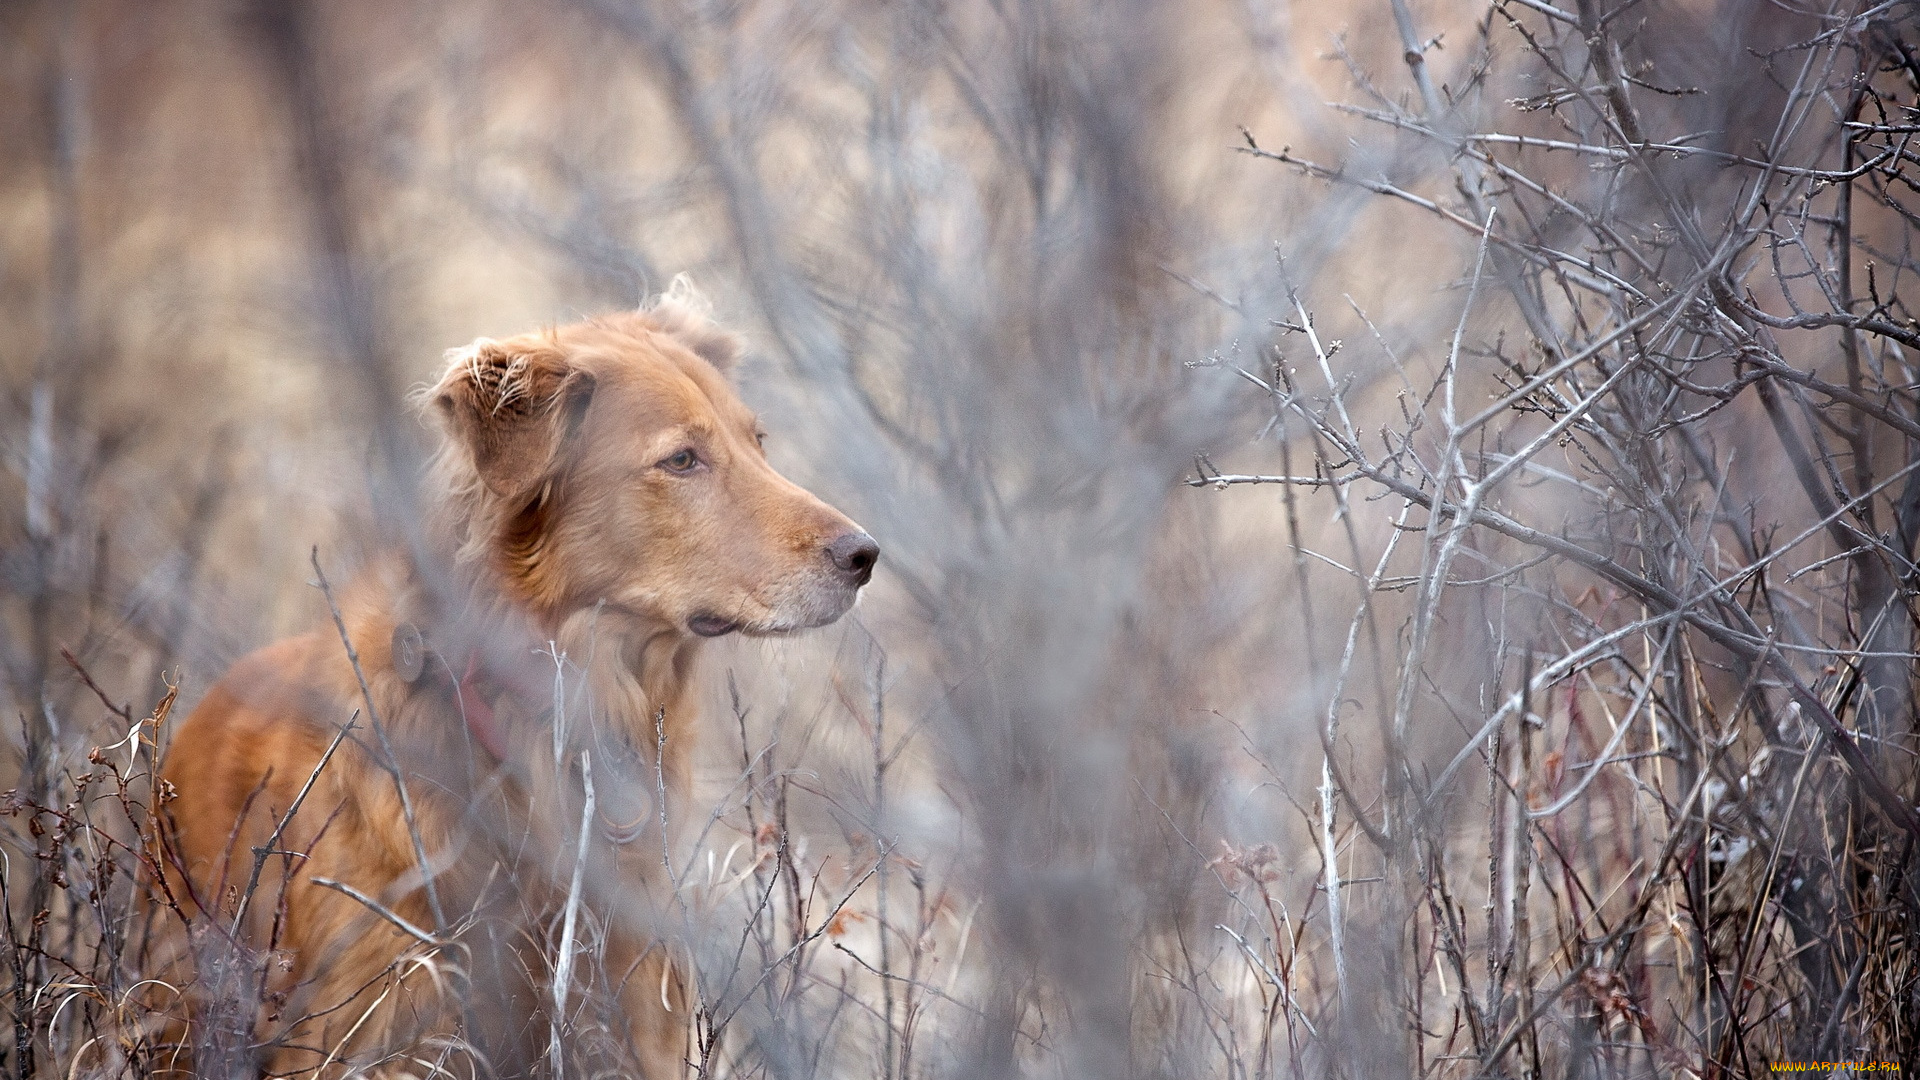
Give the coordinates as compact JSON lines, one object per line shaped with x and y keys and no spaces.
{"x":1520,"y":683}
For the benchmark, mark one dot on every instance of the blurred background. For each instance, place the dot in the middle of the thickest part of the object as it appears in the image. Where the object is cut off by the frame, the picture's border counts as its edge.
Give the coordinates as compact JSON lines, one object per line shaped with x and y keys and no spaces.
{"x":1496,"y":743}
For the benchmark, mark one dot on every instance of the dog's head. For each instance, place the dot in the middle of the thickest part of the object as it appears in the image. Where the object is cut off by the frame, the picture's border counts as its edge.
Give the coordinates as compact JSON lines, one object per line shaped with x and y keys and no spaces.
{"x":611,"y":461}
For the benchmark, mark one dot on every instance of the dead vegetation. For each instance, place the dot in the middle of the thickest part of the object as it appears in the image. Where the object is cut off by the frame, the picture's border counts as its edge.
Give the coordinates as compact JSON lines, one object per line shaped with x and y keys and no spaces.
{"x":1519,"y":684}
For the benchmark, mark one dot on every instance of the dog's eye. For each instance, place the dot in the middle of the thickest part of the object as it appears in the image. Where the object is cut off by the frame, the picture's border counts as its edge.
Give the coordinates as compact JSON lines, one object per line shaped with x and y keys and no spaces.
{"x":683,"y":462}
{"x":760,"y":438}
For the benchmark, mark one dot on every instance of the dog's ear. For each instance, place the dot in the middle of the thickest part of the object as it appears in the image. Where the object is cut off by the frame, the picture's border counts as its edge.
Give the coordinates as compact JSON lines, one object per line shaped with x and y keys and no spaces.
{"x":684,"y":312}
{"x":512,"y":404}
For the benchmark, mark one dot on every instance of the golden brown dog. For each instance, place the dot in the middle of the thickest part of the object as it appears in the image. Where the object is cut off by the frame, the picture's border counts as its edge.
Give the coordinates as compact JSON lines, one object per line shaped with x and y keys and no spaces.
{"x":457,"y":880}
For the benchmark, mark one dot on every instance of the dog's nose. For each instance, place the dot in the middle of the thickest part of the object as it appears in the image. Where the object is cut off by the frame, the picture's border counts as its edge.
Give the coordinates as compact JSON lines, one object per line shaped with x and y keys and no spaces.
{"x":854,"y":555}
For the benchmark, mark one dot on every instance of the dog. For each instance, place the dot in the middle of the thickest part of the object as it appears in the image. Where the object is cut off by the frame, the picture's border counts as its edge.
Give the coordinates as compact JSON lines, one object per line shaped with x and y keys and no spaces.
{"x":398,"y":836}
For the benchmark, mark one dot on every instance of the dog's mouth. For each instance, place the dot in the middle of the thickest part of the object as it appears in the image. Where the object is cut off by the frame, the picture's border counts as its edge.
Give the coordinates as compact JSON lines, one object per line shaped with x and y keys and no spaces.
{"x":711,"y":625}
{"x":813,"y":608}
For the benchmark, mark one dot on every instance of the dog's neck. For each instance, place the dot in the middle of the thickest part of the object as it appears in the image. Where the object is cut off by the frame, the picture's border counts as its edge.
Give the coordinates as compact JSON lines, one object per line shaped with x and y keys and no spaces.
{"x":615,"y":664}
{"x":527,"y":635}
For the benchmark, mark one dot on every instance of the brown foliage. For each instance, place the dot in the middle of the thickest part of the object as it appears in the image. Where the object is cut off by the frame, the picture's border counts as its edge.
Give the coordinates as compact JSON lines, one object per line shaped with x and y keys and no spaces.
{"x":1544,"y":667}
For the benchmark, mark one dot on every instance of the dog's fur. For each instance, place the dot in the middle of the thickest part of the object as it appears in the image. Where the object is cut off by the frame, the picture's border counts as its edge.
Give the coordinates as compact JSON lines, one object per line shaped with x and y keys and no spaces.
{"x":598,"y":504}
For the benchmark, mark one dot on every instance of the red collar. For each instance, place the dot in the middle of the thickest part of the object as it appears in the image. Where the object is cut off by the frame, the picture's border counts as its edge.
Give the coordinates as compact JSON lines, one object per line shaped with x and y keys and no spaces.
{"x":482,"y":724}
{"x":473,"y":692}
